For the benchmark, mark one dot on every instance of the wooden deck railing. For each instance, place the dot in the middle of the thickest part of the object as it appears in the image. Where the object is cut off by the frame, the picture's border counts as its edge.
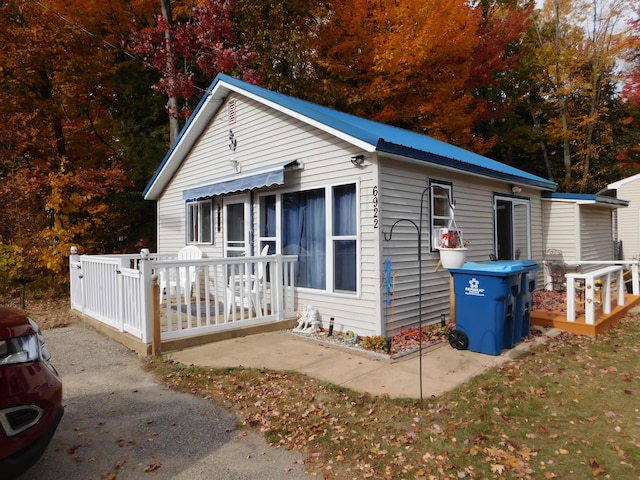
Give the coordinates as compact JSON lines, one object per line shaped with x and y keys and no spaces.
{"x":597,"y":284}
{"x":117,"y":290}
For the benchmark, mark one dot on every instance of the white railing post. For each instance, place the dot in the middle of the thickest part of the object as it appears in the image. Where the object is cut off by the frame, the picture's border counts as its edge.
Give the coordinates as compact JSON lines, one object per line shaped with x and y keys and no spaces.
{"x":279,"y":283}
{"x":146,"y":269}
{"x":571,"y":298}
{"x":75,"y":280}
{"x":589,"y":301}
{"x":621,"y":287}
{"x":635,"y":284}
{"x":605,"y":293}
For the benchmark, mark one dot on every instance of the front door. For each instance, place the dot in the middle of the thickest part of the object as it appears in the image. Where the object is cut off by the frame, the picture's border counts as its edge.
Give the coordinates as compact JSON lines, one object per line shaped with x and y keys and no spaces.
{"x":512,"y":224}
{"x":237,"y":232}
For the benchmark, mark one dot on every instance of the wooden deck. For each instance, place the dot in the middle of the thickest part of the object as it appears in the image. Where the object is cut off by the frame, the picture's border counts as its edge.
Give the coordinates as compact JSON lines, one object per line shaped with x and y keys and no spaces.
{"x":558,"y":319}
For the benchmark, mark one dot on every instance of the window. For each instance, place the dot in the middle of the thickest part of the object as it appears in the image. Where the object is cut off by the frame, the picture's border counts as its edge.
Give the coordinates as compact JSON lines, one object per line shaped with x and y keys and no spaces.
{"x":440,"y":198}
{"x":200,"y":222}
{"x":344,"y":238}
{"x":320,"y":226}
{"x":304,"y":234}
{"x":513,"y":231}
{"x":268,"y":223}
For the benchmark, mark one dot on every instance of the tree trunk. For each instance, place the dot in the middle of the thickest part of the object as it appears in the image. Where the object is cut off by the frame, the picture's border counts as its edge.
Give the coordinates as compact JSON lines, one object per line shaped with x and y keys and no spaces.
{"x":172,"y":103}
{"x":566,"y":151}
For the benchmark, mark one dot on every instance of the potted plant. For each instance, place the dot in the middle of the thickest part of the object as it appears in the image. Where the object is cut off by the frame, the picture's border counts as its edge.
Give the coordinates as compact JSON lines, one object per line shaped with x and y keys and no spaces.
{"x":452,"y":247}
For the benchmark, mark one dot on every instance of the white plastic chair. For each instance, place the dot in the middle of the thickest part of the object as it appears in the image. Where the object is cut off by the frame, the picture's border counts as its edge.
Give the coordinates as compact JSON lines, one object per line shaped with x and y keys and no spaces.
{"x":169,"y":284}
{"x":248,"y":295}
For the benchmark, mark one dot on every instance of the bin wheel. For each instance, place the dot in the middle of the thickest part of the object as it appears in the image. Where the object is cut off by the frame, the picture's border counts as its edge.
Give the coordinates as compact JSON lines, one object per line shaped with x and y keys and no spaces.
{"x":458,"y":340}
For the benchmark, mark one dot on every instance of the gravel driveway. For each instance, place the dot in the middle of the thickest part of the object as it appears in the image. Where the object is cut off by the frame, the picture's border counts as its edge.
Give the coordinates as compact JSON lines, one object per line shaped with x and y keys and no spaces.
{"x":119,"y":423}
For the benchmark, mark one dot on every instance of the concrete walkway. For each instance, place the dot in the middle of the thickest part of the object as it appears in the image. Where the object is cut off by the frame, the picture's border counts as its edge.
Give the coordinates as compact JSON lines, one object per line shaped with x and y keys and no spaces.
{"x":443,"y":367}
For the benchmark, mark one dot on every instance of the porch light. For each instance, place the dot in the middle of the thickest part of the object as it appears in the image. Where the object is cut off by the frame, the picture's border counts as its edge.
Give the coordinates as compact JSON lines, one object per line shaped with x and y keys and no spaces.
{"x":515,"y":189}
{"x":235,"y":164}
{"x":357,"y":160}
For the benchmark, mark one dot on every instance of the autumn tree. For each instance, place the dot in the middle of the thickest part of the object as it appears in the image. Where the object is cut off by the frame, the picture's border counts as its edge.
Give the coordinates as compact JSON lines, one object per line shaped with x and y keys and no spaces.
{"x":202,"y":39}
{"x":419,"y":65}
{"x":576,"y":45}
{"x":629,"y":156}
{"x":279,"y":33}
{"x":61,"y":160}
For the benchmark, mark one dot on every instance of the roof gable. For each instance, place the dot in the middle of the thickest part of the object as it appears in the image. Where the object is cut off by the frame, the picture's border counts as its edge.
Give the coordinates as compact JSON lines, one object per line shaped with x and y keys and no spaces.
{"x":365,"y":134}
{"x":624,"y":181}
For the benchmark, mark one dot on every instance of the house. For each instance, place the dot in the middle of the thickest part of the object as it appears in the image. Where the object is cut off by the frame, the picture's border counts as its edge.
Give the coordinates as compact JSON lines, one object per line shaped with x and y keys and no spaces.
{"x":626,"y":222}
{"x":580,"y":225}
{"x":358,"y":202}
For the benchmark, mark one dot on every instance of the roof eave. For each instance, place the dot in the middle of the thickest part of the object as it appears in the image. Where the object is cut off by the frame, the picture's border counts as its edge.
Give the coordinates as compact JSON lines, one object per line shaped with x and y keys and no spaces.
{"x":194,"y":127}
{"x":209,"y":104}
{"x":587,"y":199}
{"x":457,"y":165}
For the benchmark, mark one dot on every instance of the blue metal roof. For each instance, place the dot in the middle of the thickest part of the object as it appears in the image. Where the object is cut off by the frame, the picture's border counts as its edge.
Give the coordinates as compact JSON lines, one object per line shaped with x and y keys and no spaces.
{"x":585,"y":198}
{"x":371,"y":136}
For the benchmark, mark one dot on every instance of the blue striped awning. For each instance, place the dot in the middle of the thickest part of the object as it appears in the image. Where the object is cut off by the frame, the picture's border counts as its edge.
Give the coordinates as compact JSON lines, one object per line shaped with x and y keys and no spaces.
{"x":261,"y":177}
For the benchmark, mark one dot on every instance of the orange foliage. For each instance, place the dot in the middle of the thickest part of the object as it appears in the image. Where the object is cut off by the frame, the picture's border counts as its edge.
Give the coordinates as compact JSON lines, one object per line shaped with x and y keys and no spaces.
{"x":417,"y":64}
{"x":56,"y":107}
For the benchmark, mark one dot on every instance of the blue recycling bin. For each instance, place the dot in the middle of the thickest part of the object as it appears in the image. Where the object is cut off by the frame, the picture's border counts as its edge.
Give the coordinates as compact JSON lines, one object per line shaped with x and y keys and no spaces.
{"x":524,"y":300}
{"x":486,"y":303}
{"x":527,"y":270}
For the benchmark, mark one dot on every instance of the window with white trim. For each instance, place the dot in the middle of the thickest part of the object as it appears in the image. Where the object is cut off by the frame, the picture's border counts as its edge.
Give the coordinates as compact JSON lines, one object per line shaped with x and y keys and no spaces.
{"x":344,"y":237}
{"x":440,"y":199}
{"x":512,"y":228}
{"x":200,"y":221}
{"x":319,"y":226}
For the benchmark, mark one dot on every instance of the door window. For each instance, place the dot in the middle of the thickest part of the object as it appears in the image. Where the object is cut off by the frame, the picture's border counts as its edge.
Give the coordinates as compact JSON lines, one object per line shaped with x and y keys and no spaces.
{"x":237,"y":226}
{"x":512,"y":229}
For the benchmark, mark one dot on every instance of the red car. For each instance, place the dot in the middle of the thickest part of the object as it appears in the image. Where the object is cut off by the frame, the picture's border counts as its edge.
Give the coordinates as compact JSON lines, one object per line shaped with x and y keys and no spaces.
{"x":30,"y":393}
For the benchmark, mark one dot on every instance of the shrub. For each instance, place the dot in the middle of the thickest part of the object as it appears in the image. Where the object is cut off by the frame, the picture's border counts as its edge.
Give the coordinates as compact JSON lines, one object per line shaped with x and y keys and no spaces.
{"x":11,"y":265}
{"x":375,"y":343}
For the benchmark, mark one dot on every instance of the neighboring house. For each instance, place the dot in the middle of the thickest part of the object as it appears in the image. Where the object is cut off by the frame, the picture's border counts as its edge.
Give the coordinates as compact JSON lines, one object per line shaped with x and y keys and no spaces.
{"x":579,"y":226}
{"x":253,"y":168}
{"x":627,"y":221}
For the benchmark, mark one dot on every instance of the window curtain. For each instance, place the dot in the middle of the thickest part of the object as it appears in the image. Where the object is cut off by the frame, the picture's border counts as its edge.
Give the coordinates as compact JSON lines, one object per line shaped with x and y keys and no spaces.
{"x":344,"y":250}
{"x":304,"y":234}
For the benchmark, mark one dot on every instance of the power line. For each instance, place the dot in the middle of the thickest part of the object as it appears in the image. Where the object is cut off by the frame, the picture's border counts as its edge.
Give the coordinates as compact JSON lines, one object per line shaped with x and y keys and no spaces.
{"x":80,"y":27}
{"x":93,"y":35}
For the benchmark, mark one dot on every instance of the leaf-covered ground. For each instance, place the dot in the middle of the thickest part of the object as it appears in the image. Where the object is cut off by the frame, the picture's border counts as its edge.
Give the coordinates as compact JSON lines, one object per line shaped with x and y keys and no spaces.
{"x":568,"y":410}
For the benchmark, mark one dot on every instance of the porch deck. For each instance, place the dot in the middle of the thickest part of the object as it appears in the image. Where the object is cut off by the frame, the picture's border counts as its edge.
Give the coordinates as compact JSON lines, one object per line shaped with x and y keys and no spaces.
{"x":143,"y":349}
{"x":603,"y":322}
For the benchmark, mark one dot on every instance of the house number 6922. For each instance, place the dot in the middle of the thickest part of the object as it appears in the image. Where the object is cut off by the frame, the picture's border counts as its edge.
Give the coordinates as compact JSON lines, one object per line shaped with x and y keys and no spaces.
{"x":375,"y":207}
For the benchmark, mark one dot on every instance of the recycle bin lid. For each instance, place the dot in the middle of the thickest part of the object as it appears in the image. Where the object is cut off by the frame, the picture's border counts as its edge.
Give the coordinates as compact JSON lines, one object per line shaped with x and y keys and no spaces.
{"x":515,"y":263}
{"x":499,"y":267}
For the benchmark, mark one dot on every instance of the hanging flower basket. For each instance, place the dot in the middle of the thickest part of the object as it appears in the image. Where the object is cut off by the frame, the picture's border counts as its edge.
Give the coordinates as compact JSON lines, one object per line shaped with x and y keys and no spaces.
{"x":448,"y":238}
{"x":452,"y":257}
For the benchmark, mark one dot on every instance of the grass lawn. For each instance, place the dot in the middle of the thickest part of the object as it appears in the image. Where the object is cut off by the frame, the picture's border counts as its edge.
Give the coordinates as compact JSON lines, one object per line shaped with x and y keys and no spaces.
{"x":567,"y":410}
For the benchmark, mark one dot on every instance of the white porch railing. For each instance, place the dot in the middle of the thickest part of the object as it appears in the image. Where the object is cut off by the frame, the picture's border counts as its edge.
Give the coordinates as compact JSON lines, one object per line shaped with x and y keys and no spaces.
{"x":597,"y":286}
{"x":117,"y":290}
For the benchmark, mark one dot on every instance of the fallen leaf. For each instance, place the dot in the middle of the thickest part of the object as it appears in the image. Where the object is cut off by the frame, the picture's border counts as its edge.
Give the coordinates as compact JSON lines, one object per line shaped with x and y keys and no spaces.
{"x":596,"y":469}
{"x":73,"y":449}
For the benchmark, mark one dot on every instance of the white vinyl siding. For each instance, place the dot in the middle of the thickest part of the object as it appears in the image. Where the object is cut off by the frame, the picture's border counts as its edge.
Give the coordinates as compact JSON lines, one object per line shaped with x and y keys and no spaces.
{"x":266,"y":137}
{"x":629,"y":218}
{"x":401,"y":189}
{"x":596,"y":240}
{"x":562,"y":229}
